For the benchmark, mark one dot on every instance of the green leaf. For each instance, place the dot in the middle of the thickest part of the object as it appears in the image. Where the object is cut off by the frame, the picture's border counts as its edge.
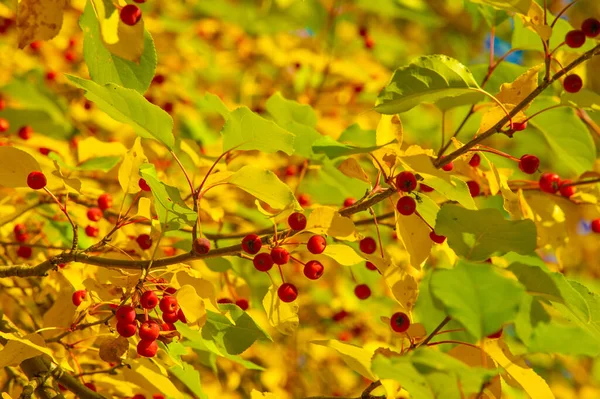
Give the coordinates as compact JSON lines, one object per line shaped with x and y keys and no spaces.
{"x":357,"y":358}
{"x":428,"y":79}
{"x":232,"y":338}
{"x":105,"y":67}
{"x":477,"y":296}
{"x":245,"y":130}
{"x":334,"y":149}
{"x":190,"y":377}
{"x":584,"y":98}
{"x":457,"y":190}
{"x":519,"y":6}
{"x":172,"y":211}
{"x":567,"y":135}
{"x":103,"y":164}
{"x":265,"y":186}
{"x":285,"y":111}
{"x":427,"y":374}
{"x":128,"y":106}
{"x":476,"y":235}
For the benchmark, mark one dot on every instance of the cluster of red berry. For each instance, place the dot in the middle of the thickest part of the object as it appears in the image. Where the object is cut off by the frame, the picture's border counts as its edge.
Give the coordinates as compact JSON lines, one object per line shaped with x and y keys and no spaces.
{"x":575,"y":39}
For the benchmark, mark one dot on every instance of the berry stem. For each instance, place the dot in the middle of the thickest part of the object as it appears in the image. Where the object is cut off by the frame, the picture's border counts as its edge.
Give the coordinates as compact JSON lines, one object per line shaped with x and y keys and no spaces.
{"x":378,"y":233}
{"x":582,"y":182}
{"x":546,"y":109}
{"x":491,"y":150}
{"x":453,"y":342}
{"x":297,"y":260}
{"x":436,"y":330}
{"x":63,"y":209}
{"x":562,"y":12}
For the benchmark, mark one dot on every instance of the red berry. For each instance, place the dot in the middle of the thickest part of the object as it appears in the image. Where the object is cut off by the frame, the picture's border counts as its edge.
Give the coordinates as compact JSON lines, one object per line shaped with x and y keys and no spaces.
{"x":291,"y":170}
{"x":349,"y":202}
{"x":263,"y":262}
{"x":156,"y":395}
{"x":448,"y":167}
{"x":549,"y":182}
{"x":201,"y":246}
{"x":475,"y":160}
{"x":25,"y":132}
{"x":473,"y":188}
{"x":44,"y":150}
{"x":529,"y":164}
{"x":2,"y":104}
{"x":362,"y":291}
{"x":21,"y":237}
{"x":147,"y":348}
{"x":131,"y":14}
{"x":519,"y":126}
{"x":20,"y":229}
{"x":406,"y":205}
{"x":36,"y":180}
{"x":158,"y":79}
{"x":251,"y":244}
{"x":371,"y":266}
{"x":297,"y":221}
{"x":144,"y":241}
{"x":4,"y":125}
{"x":168,"y":304}
{"x":170,"y":317}
{"x":51,"y":75}
{"x":94,"y":214}
{"x":369,"y":43}
{"x":575,"y":38}
{"x":280,"y":255}
{"x":362,"y":31}
{"x":287,"y":292}
{"x":170,"y":290}
{"x":125,"y":314}
{"x":24,"y":252}
{"x":591,"y":27}
{"x":242,"y":303}
{"x":181,"y":316}
{"x":425,"y":188}
{"x":35,"y":46}
{"x":149,"y":300}
{"x":87,"y":105}
{"x":105,"y":201}
{"x":304,"y":200}
{"x":91,"y":231}
{"x":316,"y":244}
{"x":168,"y":327}
{"x":224,"y":300}
{"x":143,"y":185}
{"x":496,"y":335}
{"x":399,"y":322}
{"x":90,"y":386}
{"x":406,"y":181}
{"x":138,"y":396}
{"x":70,"y":55}
{"x":78,"y":297}
{"x":149,"y":331}
{"x":572,"y":83}
{"x":313,"y":269}
{"x":596,"y":225}
{"x":437,"y":239}
{"x":565,"y":190}
{"x":126,"y":329}
{"x":341,"y":315}
{"x":168,"y":107}
{"x":368,"y":245}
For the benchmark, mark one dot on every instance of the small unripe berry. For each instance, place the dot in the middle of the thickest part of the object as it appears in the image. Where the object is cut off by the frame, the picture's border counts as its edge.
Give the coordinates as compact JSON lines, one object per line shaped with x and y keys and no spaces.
{"x":575,"y":38}
{"x":316,"y":244}
{"x":147,"y":348}
{"x":125,"y":314}
{"x":313,"y":269}
{"x":251,"y":244}
{"x":263,"y":262}
{"x":549,"y":182}
{"x":280,"y":255}
{"x":36,"y":180}
{"x":126,"y":330}
{"x":297,"y":221}
{"x":78,"y":297}
{"x":529,"y":164}
{"x":368,"y":245}
{"x":131,"y":14}
{"x":406,"y":181}
{"x":287,"y":292}
{"x":406,"y":205}
{"x":201,"y":246}
{"x":399,"y":322}
{"x":144,"y":241}
{"x":149,"y":300}
{"x":94,"y":214}
{"x":362,"y":291}
{"x":572,"y":83}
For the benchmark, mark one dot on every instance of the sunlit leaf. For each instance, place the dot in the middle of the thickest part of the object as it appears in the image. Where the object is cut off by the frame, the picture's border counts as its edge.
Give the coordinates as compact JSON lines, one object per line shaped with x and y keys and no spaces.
{"x":283,"y":316}
{"x":358,"y":359}
{"x":39,"y":20}
{"x":15,"y":166}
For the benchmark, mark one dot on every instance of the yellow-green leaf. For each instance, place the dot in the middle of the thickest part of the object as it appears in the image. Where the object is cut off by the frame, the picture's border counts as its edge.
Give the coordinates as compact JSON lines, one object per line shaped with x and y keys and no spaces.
{"x":327,"y":220}
{"x":15,"y":166}
{"x":191,"y":304}
{"x":129,"y":171}
{"x":343,"y":254}
{"x":283,"y":316}
{"x":389,"y":129}
{"x":358,"y":359}
{"x":18,"y":349}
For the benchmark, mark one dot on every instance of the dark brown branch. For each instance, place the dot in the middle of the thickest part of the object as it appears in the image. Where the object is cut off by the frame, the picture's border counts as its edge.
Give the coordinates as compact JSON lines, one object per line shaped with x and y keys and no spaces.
{"x":437,"y":329}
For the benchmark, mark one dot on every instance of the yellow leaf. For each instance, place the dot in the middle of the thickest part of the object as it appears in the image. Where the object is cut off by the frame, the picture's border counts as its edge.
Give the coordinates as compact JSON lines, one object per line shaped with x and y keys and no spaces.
{"x":495,"y":114}
{"x":358,"y":359}
{"x":414,"y":234}
{"x":535,"y":21}
{"x":112,"y":349}
{"x":119,"y":38}
{"x":149,"y":376}
{"x":532,"y":384}
{"x":474,"y":357}
{"x":403,"y":286}
{"x":389,"y":128}
{"x":204,"y":288}
{"x":515,"y":92}
{"x":129,"y":171}
{"x":499,"y":182}
{"x":19,"y":349}
{"x":15,"y":166}
{"x":351,"y":168}
{"x":6,"y":396}
{"x":39,"y":20}
{"x":343,"y":254}
{"x":328,"y":221}
{"x":262,"y":395}
{"x":283,"y":316}
{"x":421,"y":161}
{"x":191,"y":304}
{"x":91,"y":147}
{"x":144,"y":208}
